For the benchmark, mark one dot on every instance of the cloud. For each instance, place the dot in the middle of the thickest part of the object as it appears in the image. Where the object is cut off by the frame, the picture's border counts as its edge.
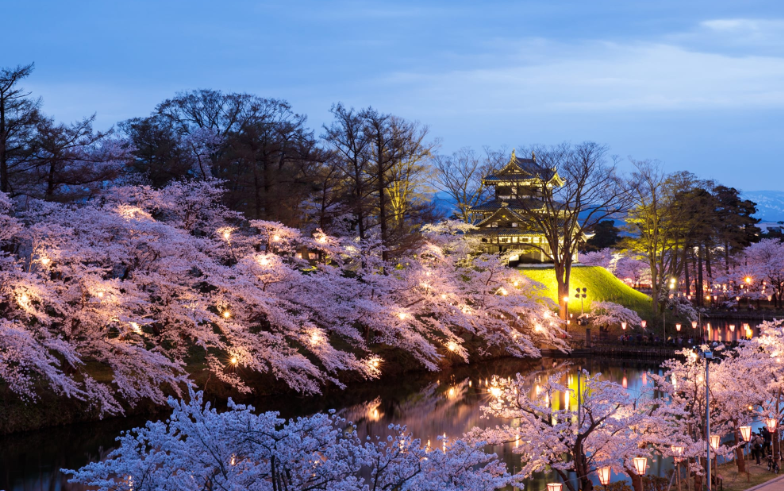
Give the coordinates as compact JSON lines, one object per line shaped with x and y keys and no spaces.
{"x":602,"y":76}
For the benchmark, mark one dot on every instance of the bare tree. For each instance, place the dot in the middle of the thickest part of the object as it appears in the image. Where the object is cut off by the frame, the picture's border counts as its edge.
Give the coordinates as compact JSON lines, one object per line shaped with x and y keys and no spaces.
{"x":18,"y":117}
{"x":575,"y":190}
{"x":460,"y":176}
{"x":347,"y":139}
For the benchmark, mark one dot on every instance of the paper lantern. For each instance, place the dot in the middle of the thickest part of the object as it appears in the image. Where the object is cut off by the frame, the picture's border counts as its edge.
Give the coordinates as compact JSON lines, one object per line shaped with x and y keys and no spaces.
{"x":640,"y":465}
{"x":745,"y":433}
{"x":715,"y":440}
{"x":677,"y":327}
{"x":604,"y":475}
{"x":694,"y":324}
{"x":554,"y":486}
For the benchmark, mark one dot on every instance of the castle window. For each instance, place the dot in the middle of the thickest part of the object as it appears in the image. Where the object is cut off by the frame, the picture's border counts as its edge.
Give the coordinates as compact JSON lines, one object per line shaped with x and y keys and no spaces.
{"x":514,"y":224}
{"x":514,"y":239}
{"x":494,"y":224}
{"x":504,"y":240}
{"x":525,"y":240}
{"x":536,"y":240}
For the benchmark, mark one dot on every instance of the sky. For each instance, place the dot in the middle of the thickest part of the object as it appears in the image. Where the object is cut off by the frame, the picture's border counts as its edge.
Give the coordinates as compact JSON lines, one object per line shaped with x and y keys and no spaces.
{"x":697,"y":85}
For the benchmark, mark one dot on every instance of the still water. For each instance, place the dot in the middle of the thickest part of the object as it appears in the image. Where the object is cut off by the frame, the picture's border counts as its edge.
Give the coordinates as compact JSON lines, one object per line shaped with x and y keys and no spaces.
{"x":430,"y":405}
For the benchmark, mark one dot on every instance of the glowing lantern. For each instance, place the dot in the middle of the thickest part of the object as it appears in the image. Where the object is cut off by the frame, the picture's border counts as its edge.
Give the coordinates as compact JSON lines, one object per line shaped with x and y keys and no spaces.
{"x":677,"y":327}
{"x":402,"y":316}
{"x":677,"y":451}
{"x":644,"y":324}
{"x":451,"y":346}
{"x":604,"y":475}
{"x":566,"y":298}
{"x":640,"y":465}
{"x":715,"y":440}
{"x":694,"y":324}
{"x":227,"y":235}
{"x":771,"y":424}
{"x":226,"y":314}
{"x":45,"y":261}
{"x":623,"y":326}
{"x":732,"y":327}
{"x":495,"y":391}
{"x":233,"y":360}
{"x":745,"y":433}
{"x":748,"y":280}
{"x":554,"y":486}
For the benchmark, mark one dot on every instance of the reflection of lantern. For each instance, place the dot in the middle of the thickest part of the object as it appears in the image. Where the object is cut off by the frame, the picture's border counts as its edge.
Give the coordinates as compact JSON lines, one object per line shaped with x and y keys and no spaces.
{"x":715,"y":440}
{"x":623,"y":325}
{"x":554,"y":486}
{"x":640,"y":465}
{"x":604,"y":475}
{"x":677,"y":327}
{"x":771,"y":424}
{"x":624,"y":383}
{"x":694,"y":324}
{"x":745,"y":433}
{"x":644,"y":324}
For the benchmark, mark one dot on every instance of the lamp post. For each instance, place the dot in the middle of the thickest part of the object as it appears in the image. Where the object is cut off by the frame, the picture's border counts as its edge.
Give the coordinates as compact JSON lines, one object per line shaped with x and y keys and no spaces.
{"x":772,"y":424}
{"x":745,"y":435}
{"x":677,"y":452}
{"x":640,"y":466}
{"x":582,"y":296}
{"x":707,"y":356}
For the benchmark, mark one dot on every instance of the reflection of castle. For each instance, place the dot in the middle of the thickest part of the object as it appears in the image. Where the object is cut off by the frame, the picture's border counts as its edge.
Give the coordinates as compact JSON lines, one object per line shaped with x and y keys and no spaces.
{"x":503,"y":223}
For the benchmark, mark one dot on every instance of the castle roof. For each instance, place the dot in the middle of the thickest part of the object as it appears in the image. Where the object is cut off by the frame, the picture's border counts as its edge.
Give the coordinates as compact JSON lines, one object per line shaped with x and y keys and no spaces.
{"x":518,"y":169}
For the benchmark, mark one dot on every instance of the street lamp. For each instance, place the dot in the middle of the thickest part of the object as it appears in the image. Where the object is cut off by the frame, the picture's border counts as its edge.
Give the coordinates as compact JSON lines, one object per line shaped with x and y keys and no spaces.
{"x":771,"y":424}
{"x":643,"y":324}
{"x":623,"y":326}
{"x":678,"y":327}
{"x":604,"y":475}
{"x":554,"y":486}
{"x":694,"y":324}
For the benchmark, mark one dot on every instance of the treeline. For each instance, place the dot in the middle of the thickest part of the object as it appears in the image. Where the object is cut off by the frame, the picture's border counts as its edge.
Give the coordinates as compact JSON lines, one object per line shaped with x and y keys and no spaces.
{"x":364,"y":171}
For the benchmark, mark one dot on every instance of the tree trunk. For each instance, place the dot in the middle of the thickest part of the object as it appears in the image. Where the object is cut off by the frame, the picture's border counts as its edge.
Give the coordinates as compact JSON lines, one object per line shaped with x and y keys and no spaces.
{"x":636,"y":480}
{"x":686,"y":271}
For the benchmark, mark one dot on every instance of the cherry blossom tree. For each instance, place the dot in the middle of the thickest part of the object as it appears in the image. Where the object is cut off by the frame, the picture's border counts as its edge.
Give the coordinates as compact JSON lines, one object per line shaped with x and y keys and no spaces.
{"x":142,"y":280}
{"x":237,"y":449}
{"x":601,"y":424}
{"x":765,"y":260}
{"x":609,"y":313}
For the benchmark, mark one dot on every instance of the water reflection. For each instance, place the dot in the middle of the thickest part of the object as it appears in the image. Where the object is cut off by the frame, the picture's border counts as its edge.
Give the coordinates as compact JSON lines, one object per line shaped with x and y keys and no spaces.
{"x":442,"y":405}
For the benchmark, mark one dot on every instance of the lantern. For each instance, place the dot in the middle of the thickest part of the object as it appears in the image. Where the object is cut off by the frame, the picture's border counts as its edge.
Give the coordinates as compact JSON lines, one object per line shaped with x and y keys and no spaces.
{"x":604,"y":475}
{"x":737,"y":299}
{"x":640,"y":465}
{"x":732,"y":327}
{"x":715,"y":440}
{"x":745,"y":433}
{"x":694,"y":324}
{"x":623,"y":326}
{"x":677,"y":451}
{"x":771,"y":424}
{"x":554,"y":486}
{"x":644,"y":324}
{"x":677,"y":327}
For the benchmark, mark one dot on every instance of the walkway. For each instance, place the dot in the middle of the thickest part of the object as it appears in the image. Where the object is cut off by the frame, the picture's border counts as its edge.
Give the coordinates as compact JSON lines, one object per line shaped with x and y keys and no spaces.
{"x":776,"y":484}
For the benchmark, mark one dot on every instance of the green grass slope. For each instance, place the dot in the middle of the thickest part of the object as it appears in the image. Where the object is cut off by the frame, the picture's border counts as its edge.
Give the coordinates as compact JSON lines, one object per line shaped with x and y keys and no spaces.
{"x":602,"y":286}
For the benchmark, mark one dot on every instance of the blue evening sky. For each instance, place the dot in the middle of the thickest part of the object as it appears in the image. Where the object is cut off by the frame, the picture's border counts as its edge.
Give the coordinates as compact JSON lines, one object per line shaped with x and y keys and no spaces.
{"x":698,"y":85}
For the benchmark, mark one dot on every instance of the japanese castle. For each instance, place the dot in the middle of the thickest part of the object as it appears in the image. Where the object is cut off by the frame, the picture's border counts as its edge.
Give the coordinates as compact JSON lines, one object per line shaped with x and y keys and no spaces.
{"x":502,"y":221}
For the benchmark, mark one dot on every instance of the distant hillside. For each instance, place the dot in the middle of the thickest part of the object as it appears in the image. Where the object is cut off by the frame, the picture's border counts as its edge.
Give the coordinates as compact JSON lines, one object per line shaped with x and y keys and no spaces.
{"x":770,"y":204}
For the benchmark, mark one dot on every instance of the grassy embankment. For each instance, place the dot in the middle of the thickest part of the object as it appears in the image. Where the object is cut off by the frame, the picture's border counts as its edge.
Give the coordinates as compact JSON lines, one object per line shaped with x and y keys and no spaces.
{"x":601,"y":284}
